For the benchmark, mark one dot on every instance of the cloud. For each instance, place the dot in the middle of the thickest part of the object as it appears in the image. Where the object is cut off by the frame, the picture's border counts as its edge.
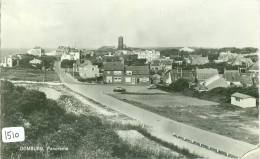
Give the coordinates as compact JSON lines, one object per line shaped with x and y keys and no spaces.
{"x":92,"y":23}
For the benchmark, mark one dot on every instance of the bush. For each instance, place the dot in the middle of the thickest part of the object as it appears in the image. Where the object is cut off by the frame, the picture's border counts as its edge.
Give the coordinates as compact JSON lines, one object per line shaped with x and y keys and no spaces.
{"x":180,"y":85}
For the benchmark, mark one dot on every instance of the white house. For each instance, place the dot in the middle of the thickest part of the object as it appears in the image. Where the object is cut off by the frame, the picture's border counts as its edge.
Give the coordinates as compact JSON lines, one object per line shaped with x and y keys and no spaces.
{"x":35,"y":61}
{"x":37,"y":51}
{"x":88,"y":70}
{"x":8,"y":61}
{"x":243,"y":100}
{"x":149,"y":55}
{"x":186,"y":49}
{"x":73,"y":54}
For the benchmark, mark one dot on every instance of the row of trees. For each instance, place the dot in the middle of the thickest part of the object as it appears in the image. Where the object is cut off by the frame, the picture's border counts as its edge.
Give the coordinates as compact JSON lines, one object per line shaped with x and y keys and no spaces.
{"x":47,"y":61}
{"x":208,"y":51}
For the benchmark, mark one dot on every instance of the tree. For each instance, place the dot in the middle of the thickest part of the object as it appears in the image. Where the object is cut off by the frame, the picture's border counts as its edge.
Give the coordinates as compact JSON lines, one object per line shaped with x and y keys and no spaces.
{"x":180,"y":85}
{"x":67,"y":63}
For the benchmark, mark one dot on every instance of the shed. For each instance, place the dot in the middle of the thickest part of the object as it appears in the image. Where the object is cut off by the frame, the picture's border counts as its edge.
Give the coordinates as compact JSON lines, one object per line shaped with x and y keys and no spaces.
{"x":243,"y":100}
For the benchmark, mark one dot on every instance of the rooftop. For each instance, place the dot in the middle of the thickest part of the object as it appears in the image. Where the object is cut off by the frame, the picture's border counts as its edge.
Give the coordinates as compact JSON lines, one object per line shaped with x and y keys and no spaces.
{"x":113,"y":66}
{"x":254,"y":66}
{"x":232,"y":75}
{"x":138,"y":70}
{"x":207,"y":71}
{"x":240,"y":95}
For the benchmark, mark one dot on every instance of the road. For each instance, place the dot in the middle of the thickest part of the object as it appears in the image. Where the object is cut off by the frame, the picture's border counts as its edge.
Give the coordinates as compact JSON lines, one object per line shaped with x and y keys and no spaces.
{"x":160,"y":126}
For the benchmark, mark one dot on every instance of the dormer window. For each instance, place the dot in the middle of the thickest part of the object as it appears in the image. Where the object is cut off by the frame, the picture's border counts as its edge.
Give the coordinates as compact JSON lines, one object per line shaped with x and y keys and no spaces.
{"x":128,"y":73}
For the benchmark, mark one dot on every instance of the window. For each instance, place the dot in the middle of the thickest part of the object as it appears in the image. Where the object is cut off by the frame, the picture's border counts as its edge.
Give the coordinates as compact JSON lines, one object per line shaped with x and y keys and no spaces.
{"x":117,"y":72}
{"x":144,"y":79}
{"x":117,"y":79}
{"x":108,"y":72}
{"x":128,"y":79}
{"x":128,"y":72}
{"x":237,"y":99}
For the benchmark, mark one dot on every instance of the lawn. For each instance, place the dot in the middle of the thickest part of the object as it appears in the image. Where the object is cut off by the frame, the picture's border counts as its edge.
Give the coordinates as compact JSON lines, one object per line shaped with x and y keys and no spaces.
{"x":227,"y":120}
{"x":27,"y":74}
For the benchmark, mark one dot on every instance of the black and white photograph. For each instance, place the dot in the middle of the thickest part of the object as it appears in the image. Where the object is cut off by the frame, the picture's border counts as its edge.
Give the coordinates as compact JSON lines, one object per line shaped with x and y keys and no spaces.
{"x":129,"y":79}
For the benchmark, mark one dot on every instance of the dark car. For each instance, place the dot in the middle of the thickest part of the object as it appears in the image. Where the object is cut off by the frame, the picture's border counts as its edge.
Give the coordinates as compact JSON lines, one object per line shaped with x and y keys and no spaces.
{"x":152,"y":86}
{"x":119,"y":89}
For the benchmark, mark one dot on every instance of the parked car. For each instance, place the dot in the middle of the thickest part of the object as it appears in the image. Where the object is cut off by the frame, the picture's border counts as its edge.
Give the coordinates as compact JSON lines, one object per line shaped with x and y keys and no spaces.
{"x":119,"y":89}
{"x":152,"y":86}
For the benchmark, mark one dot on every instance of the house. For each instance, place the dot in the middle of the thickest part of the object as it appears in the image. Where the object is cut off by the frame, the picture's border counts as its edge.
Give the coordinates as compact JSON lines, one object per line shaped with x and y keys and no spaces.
{"x":87,"y":53}
{"x":172,"y":75}
{"x":177,"y":60}
{"x":35,"y":62}
{"x":226,"y":56}
{"x":149,"y":55}
{"x":137,"y":75}
{"x":161,"y":64}
{"x":131,"y":59}
{"x":232,"y":77}
{"x":66,"y":56}
{"x":243,"y":100}
{"x":253,"y":70}
{"x":123,"y":52}
{"x":240,"y":60}
{"x":87,"y":70}
{"x":156,"y":79}
{"x":186,"y":49}
{"x":113,"y":72}
{"x":198,"y":60}
{"x":9,"y":61}
{"x":62,"y":50}
{"x":75,"y":53}
{"x":52,"y":53}
{"x":205,"y":73}
{"x":71,"y":54}
{"x":246,"y":80}
{"x":36,"y":51}
{"x":211,"y":83}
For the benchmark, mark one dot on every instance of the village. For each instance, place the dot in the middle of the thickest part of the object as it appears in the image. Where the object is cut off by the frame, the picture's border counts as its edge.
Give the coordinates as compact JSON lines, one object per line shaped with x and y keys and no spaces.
{"x":206,"y":91}
{"x":200,"y":70}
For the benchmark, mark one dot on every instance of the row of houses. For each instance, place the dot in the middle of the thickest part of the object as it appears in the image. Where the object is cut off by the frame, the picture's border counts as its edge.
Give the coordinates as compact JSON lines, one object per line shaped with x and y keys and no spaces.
{"x":209,"y":78}
{"x":116,"y":72}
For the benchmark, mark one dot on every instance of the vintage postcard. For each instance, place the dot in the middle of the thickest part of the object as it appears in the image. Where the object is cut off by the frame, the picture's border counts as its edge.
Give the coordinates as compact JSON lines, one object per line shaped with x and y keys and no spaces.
{"x":129,"y":79}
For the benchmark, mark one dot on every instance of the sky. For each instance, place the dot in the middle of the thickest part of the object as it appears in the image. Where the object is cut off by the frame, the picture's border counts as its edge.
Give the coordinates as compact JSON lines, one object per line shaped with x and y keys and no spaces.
{"x":142,"y":23}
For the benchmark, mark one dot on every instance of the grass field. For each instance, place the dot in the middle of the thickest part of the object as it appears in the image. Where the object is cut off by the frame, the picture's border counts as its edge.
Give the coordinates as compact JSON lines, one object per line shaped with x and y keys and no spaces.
{"x":231,"y":121}
{"x":28,"y":74}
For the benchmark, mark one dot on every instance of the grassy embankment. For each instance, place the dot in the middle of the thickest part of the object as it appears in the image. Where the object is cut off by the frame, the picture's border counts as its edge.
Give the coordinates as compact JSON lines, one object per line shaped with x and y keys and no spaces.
{"x":28,"y":74}
{"x":47,"y":123}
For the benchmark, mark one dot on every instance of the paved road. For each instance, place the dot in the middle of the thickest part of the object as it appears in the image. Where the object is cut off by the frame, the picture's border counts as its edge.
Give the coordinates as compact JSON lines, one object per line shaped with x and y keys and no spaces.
{"x":160,"y":126}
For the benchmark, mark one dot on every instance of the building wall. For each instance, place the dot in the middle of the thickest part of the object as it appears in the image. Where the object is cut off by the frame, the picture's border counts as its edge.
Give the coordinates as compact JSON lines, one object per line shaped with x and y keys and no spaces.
{"x":149,"y":55}
{"x":89,"y":71}
{"x":244,"y":103}
{"x":204,"y":76}
{"x":66,"y":57}
{"x":120,"y":43}
{"x":36,"y":52}
{"x":137,"y":79}
{"x":113,"y":76}
{"x":10,"y":62}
